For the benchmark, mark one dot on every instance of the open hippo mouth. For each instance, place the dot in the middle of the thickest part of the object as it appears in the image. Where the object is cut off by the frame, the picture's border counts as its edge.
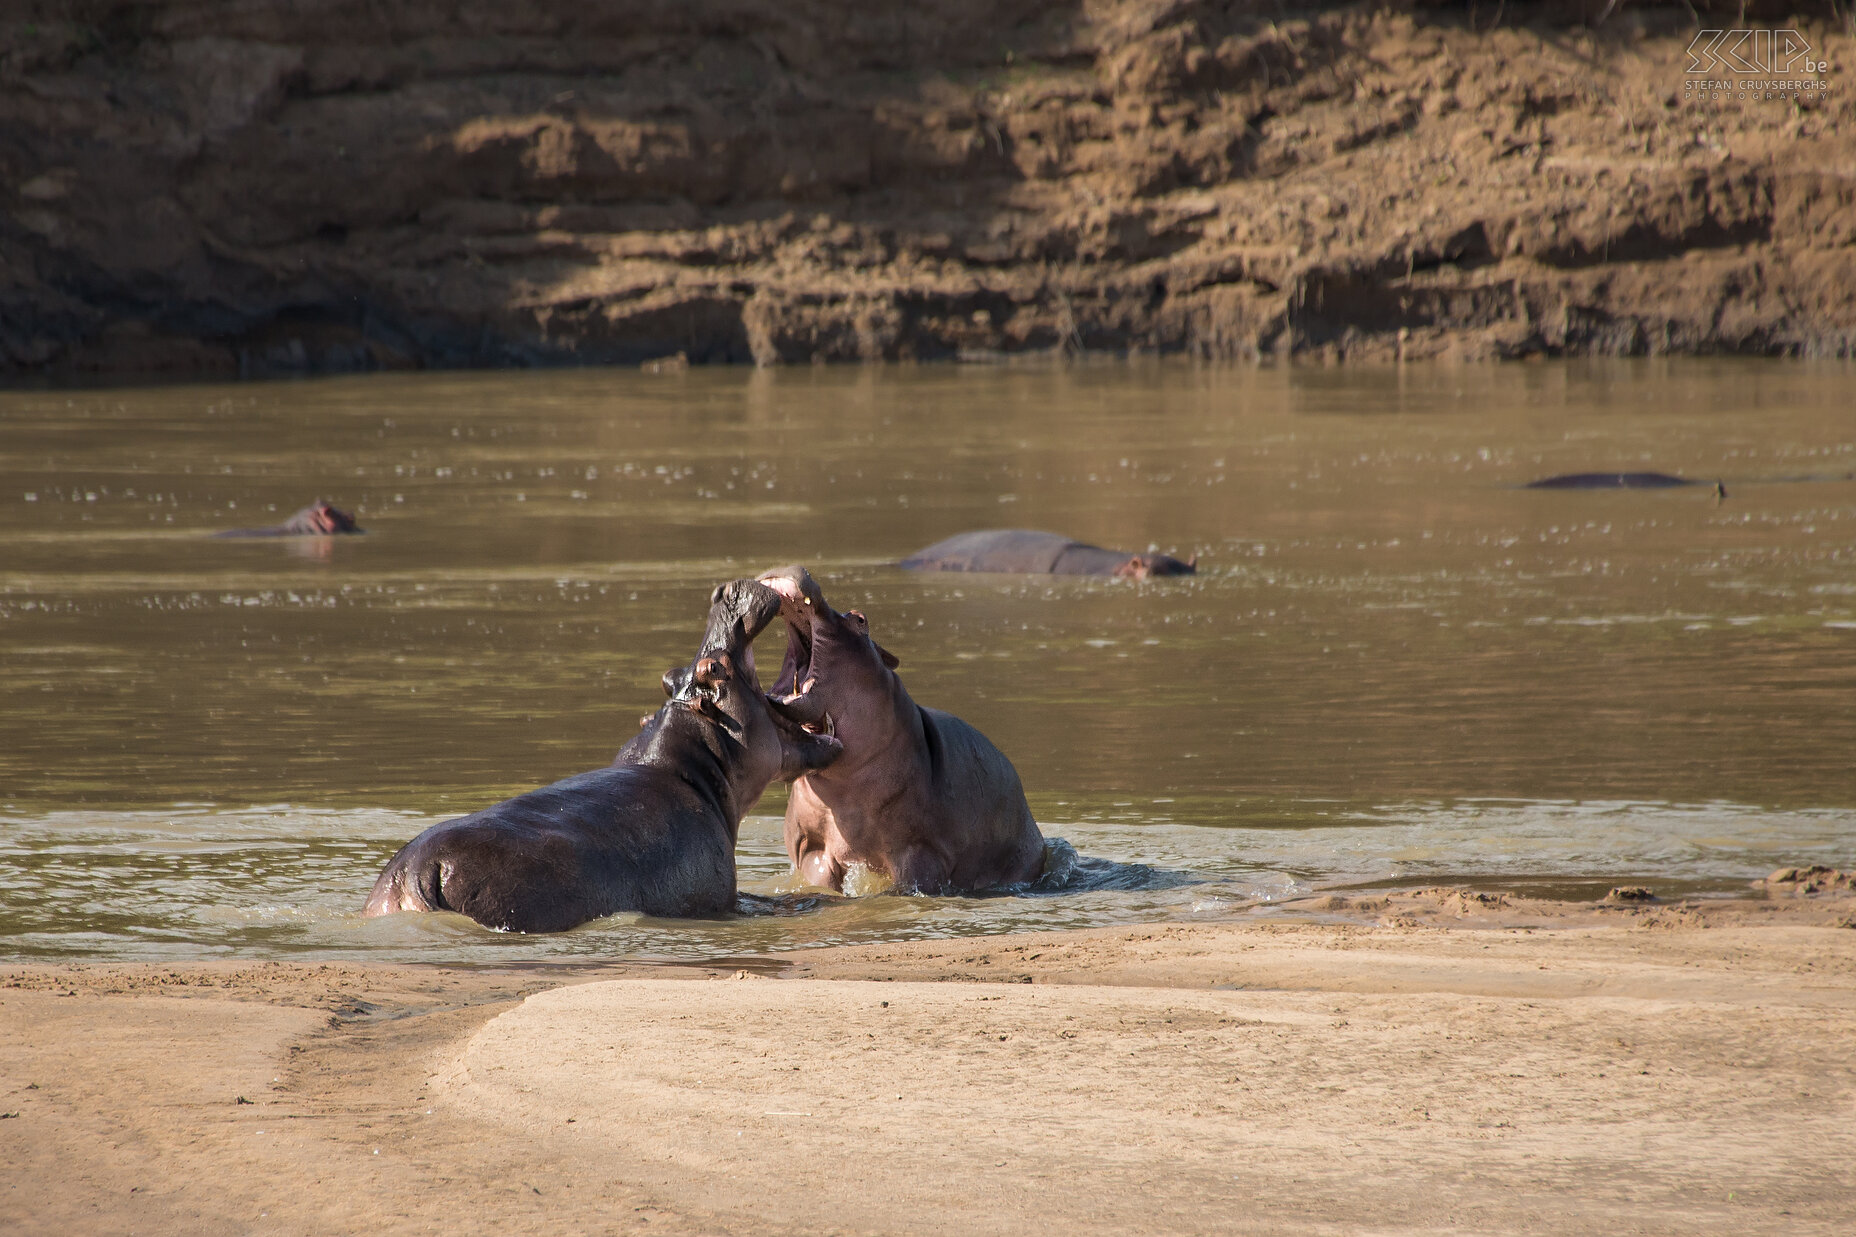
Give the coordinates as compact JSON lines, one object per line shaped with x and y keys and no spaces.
{"x":738,"y":611}
{"x":795,"y":694}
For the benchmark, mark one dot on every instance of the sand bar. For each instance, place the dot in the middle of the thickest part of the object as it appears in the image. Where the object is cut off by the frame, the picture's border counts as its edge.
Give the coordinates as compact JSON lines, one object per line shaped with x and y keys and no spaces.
{"x":1422,"y":1062}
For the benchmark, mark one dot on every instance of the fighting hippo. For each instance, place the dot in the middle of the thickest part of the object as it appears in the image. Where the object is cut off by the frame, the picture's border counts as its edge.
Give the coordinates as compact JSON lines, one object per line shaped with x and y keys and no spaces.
{"x":919,"y":795}
{"x":654,"y":832}
{"x":1619,"y":481}
{"x":1021,"y":550}
{"x":318,"y":519}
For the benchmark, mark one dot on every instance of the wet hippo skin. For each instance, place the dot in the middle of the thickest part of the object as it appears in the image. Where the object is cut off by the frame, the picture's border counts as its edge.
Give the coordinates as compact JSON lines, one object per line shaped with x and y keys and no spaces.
{"x":1613,"y":481}
{"x":654,"y":832}
{"x":919,"y":795}
{"x":319,"y":519}
{"x":1025,"y":551}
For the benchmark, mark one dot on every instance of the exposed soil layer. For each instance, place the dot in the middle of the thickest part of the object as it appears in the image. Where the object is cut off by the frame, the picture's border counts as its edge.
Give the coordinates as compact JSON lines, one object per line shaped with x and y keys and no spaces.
{"x":200,"y":187}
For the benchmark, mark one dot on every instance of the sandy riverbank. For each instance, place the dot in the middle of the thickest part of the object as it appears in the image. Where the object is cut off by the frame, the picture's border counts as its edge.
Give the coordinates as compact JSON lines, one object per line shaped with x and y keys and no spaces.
{"x":1428,"y":1061}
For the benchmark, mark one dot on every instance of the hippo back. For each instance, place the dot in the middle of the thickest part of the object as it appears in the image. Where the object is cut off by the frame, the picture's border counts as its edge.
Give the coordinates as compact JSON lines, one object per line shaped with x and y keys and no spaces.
{"x":998,"y":549}
{"x":979,"y":794}
{"x":624,"y":838}
{"x":1611,"y":481}
{"x":1078,"y":559}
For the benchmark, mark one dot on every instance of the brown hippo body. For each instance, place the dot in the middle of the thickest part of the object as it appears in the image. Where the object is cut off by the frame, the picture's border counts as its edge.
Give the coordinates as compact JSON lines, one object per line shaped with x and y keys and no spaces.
{"x":1023,"y":551}
{"x":319,"y":519}
{"x":654,"y":833}
{"x":1616,"y":481}
{"x":919,"y":796}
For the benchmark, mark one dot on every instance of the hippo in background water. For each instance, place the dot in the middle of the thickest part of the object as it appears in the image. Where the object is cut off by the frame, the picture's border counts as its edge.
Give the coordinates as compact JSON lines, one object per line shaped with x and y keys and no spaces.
{"x":1619,"y":481}
{"x":654,"y":832}
{"x":919,"y":796}
{"x":1024,"y":551}
{"x":319,"y":519}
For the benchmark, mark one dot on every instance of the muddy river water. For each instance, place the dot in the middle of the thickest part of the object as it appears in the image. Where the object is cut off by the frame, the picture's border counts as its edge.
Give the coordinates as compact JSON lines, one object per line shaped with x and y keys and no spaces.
{"x":1394,"y":666}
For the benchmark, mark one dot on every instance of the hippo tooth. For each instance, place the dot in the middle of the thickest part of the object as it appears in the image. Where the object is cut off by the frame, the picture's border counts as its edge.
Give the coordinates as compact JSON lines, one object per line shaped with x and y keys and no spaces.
{"x":799,"y":708}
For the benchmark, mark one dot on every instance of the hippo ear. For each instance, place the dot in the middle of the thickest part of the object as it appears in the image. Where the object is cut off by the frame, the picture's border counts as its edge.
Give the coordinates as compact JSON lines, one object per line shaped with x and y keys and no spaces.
{"x":1192,"y":564}
{"x":676,"y":681}
{"x":889,"y":658}
{"x":715,"y":597}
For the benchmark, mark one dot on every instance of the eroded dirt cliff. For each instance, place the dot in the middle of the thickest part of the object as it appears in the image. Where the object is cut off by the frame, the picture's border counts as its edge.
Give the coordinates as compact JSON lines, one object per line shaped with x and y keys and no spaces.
{"x":262,"y":186}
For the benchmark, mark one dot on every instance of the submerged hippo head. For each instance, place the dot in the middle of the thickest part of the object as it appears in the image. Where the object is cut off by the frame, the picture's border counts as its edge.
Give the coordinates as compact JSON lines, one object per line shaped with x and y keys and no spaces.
{"x":719,"y":691}
{"x":319,"y":519}
{"x":1143,"y":566}
{"x":835,"y":680}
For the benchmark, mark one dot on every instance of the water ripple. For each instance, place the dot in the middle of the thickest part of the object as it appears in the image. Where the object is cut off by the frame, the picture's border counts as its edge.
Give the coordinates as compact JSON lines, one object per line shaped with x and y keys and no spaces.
{"x":282,"y":881}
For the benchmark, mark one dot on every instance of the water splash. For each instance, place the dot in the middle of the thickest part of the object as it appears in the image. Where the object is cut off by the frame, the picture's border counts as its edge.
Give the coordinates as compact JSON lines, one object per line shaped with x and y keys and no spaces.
{"x":287,"y":882}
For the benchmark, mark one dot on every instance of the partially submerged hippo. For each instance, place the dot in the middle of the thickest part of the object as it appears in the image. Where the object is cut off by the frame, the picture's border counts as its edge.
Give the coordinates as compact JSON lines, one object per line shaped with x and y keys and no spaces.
{"x":654,"y":832}
{"x":1024,"y":551}
{"x":919,"y":795}
{"x":1619,"y":481}
{"x":319,"y":519}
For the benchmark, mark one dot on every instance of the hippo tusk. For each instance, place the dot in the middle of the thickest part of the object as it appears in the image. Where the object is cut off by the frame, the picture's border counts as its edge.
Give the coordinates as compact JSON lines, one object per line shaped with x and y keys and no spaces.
{"x":801,"y":710}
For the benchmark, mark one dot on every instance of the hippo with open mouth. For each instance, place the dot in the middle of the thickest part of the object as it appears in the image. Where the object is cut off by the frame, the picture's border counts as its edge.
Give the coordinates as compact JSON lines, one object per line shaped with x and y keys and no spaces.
{"x":654,"y":832}
{"x":1022,"y":551}
{"x":319,"y":519}
{"x":919,"y":796}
